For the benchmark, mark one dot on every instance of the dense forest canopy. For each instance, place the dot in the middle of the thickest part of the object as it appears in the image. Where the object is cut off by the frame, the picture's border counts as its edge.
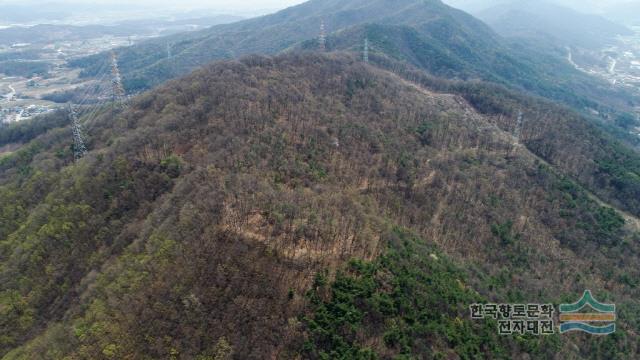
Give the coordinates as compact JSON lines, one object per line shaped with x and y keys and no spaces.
{"x":429,"y":35}
{"x":310,"y":205}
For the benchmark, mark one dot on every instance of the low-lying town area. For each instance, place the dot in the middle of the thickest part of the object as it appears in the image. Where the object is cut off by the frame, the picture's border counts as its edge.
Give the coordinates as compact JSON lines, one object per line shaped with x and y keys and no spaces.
{"x":23,"y":96}
{"x":618,"y":63}
{"x":624,"y":68}
{"x":33,"y":59}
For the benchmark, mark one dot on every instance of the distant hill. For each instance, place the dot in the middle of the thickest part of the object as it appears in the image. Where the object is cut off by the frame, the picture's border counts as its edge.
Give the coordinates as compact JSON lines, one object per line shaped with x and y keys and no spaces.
{"x":311,"y":206}
{"x":545,"y":21}
{"x":147,"y":65}
{"x":435,"y":35}
{"x":39,"y":34}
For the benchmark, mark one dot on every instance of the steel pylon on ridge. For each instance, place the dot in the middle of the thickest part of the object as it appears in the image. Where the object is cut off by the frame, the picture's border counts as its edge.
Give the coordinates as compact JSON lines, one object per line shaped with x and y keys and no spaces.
{"x":118,"y":93}
{"x":322,"y":40}
{"x":79,"y":147}
{"x":365,"y":53}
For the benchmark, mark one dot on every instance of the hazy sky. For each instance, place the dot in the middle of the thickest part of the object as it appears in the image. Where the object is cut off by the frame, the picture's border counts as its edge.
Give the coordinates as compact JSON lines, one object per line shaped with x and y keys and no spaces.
{"x":587,"y":6}
{"x":239,"y":5}
{"x":108,"y":10}
{"x":249,"y":4}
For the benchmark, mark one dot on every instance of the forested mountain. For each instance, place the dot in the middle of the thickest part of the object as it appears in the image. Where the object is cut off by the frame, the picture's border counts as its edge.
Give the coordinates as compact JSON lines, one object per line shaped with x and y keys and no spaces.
{"x":428,"y":34}
{"x":147,"y":64}
{"x":432,"y":34}
{"x":313,"y":206}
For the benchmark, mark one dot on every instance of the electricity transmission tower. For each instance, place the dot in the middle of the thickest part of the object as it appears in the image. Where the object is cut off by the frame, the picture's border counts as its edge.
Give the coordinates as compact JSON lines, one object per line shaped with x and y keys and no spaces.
{"x":322,"y":40}
{"x":79,"y":148}
{"x":365,"y":53}
{"x":117,"y":89}
{"x":518,"y":130}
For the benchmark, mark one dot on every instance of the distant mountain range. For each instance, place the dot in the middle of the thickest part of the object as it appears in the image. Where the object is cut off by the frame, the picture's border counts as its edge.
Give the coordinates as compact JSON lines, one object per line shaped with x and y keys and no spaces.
{"x":51,"y":33}
{"x":147,"y":64}
{"x":428,"y":34}
{"x":546,"y":21}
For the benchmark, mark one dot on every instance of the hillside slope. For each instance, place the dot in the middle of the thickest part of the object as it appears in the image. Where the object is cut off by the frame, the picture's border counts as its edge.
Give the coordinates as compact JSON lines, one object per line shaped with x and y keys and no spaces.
{"x":427,"y":33}
{"x":146,"y":65}
{"x":310,"y":206}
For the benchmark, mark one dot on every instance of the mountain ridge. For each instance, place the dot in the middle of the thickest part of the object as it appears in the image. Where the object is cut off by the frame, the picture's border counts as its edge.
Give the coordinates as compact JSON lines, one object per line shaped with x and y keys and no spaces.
{"x":437,"y":37}
{"x":218,"y":201}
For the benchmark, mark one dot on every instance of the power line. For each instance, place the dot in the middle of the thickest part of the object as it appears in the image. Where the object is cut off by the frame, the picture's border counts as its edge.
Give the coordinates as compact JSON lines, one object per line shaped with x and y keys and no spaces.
{"x":89,"y":111}
{"x":79,"y":147}
{"x":118,"y":93}
{"x":365,"y":54}
{"x":322,"y":40}
{"x":518,"y":130}
{"x":92,"y":92}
